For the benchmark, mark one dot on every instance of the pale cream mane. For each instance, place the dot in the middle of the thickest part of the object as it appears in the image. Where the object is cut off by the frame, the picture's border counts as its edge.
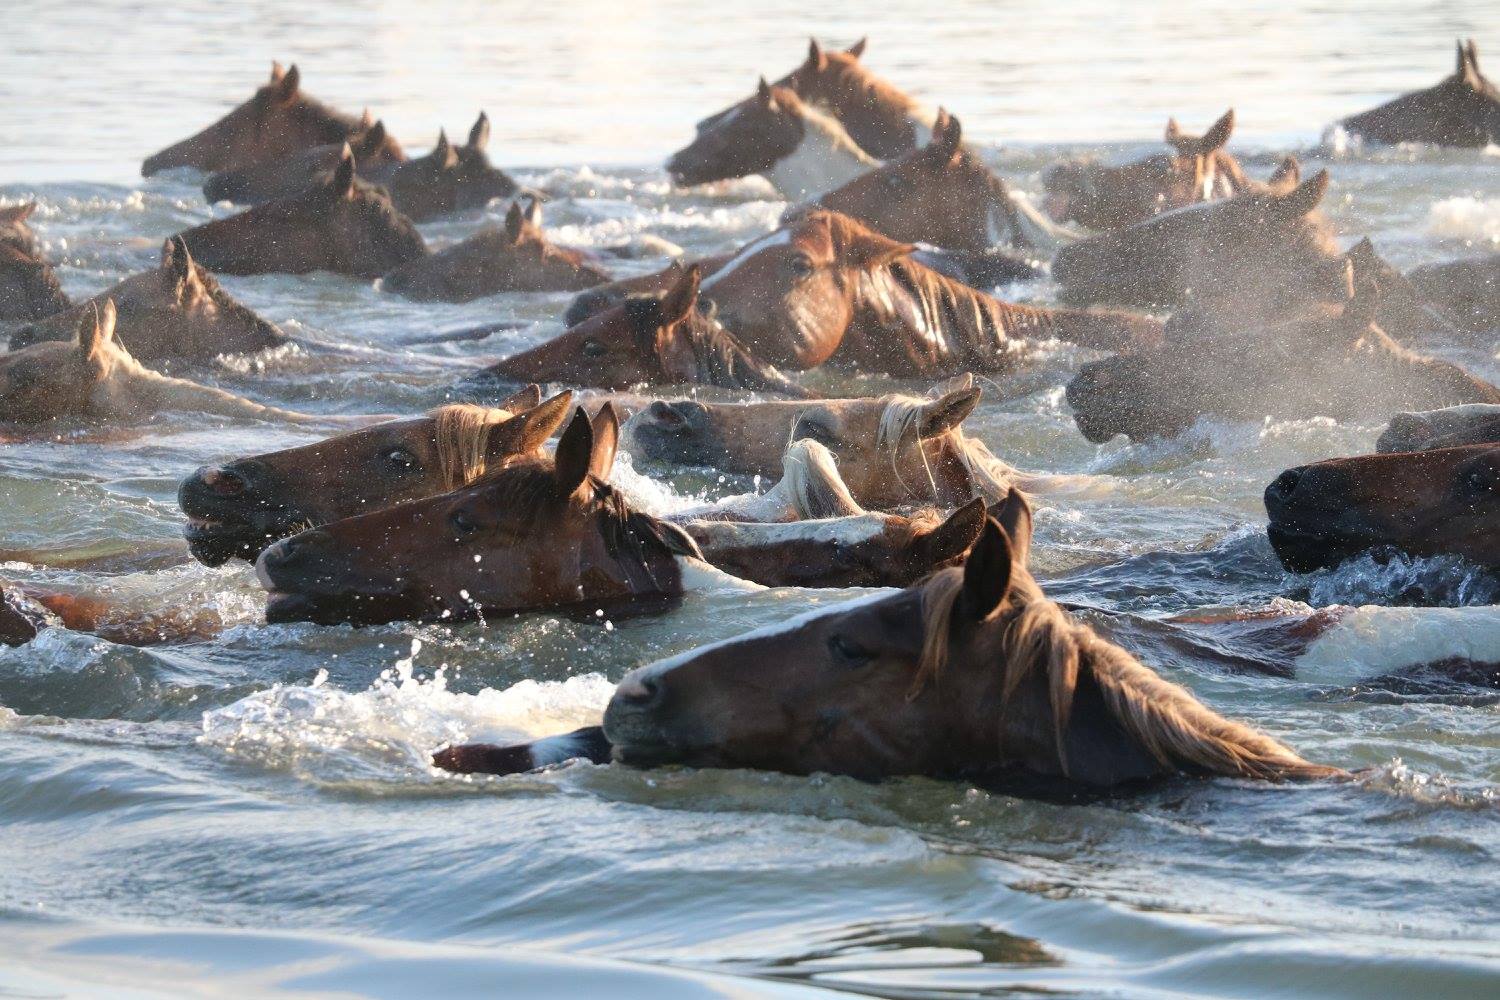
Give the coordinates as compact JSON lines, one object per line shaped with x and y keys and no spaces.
{"x":463,"y":433}
{"x":811,"y":480}
{"x":901,"y":421}
{"x":1164,"y":719}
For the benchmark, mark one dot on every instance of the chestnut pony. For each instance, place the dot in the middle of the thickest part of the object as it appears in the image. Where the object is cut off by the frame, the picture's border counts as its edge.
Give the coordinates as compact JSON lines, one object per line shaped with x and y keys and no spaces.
{"x":659,"y":339}
{"x":175,"y":310}
{"x":278,"y":120}
{"x":28,"y":287}
{"x":237,"y":509}
{"x":1462,"y":110}
{"x":340,"y":224}
{"x":517,"y":257}
{"x":1101,"y":197}
{"x":970,"y":674}
{"x":827,"y":287}
{"x":288,"y":175}
{"x":1328,"y":361}
{"x":944,"y":195}
{"x":532,"y":535}
{"x":1440,"y":502}
{"x":892,"y":451}
{"x":884,"y":121}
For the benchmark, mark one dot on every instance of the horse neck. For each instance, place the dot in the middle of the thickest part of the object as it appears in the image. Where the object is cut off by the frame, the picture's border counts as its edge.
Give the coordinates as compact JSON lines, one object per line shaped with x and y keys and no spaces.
{"x":920,"y":322}
{"x":825,"y":159}
{"x":878,"y":115}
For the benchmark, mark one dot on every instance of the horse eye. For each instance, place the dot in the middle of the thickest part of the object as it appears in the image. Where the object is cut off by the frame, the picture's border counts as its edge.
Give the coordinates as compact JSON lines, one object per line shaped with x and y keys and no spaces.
{"x":402,"y":459}
{"x":815,"y":431}
{"x":848,"y":652}
{"x":594,"y":349}
{"x":462,"y":524}
{"x":800,"y":266}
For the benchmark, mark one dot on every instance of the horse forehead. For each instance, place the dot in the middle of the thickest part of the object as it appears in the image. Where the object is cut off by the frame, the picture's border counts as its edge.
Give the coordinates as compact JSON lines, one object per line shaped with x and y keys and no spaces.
{"x":781,"y":237}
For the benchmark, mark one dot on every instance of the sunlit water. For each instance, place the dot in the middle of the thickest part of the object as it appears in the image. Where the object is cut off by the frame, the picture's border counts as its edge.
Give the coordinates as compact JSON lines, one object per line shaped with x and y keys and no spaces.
{"x":274,"y":779}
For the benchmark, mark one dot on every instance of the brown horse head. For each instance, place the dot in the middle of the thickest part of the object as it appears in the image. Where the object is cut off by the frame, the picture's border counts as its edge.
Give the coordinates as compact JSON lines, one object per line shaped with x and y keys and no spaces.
{"x":277,"y":121}
{"x":1475,"y":423}
{"x":237,"y":509}
{"x":1236,"y":251}
{"x":53,"y":379}
{"x":1462,"y":110}
{"x":1465,"y":291}
{"x":374,"y":151}
{"x":450,"y":178}
{"x":1101,"y":197}
{"x":799,"y":149}
{"x":29,"y":288}
{"x":515,"y":258}
{"x":175,"y":310}
{"x":537,"y":534}
{"x":1327,"y":361}
{"x":1427,"y":503}
{"x":15,"y":230}
{"x":341,"y":224}
{"x":654,"y":339}
{"x":971,"y":673}
{"x":941,"y":194}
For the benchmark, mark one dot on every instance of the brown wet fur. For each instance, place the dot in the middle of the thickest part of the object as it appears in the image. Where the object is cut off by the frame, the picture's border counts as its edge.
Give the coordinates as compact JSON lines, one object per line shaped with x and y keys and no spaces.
{"x":1463,"y":110}
{"x":285,"y":176}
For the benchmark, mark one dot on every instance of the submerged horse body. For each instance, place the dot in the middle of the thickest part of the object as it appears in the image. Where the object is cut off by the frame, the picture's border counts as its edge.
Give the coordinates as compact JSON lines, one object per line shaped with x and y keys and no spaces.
{"x":1462,"y":110}
{"x":289,"y":175}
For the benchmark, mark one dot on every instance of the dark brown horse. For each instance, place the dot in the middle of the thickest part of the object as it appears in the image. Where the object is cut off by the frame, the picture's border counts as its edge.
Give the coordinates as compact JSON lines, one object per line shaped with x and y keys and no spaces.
{"x":1475,"y":423}
{"x":29,"y":288}
{"x":1463,"y":110}
{"x":1100,"y":197}
{"x":884,"y":121}
{"x":1427,"y":503}
{"x":517,"y":257}
{"x":944,"y":195}
{"x":450,"y":178}
{"x":342,"y":225}
{"x":236,"y":510}
{"x":970,"y":674}
{"x":532,"y":535}
{"x":276,"y":121}
{"x":1467,"y":292}
{"x":827,"y":287}
{"x":1329,"y":361}
{"x":650,"y":339}
{"x":175,"y":310}
{"x":294,"y":173}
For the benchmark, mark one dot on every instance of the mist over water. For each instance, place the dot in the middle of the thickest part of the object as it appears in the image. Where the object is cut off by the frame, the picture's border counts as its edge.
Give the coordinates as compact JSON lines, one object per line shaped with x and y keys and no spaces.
{"x":258,"y":801}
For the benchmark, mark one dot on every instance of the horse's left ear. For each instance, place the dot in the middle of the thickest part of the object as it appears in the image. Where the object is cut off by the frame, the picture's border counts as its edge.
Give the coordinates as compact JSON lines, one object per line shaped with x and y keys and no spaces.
{"x":515,"y":222}
{"x":522,"y":399}
{"x":869,"y":250}
{"x":858,"y":48}
{"x":606,"y":432}
{"x":987,"y":573}
{"x":574,"y":451}
{"x":1359,"y":311}
{"x":1014,"y":515}
{"x":96,"y":334}
{"x":529,"y":430}
{"x":177,"y":266}
{"x":764,"y":94}
{"x":1217,"y":135}
{"x":285,"y":89}
{"x":341,"y":184}
{"x":479,"y":135}
{"x":941,"y":415}
{"x":817,"y":59}
{"x":947,"y":137}
{"x":677,"y":302}
{"x":952,"y":538}
{"x":1471,"y":73}
{"x":1303,"y":198}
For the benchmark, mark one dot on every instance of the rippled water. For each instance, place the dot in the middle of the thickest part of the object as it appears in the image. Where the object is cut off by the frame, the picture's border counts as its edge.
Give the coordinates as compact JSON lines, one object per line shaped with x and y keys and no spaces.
{"x":269,"y":782}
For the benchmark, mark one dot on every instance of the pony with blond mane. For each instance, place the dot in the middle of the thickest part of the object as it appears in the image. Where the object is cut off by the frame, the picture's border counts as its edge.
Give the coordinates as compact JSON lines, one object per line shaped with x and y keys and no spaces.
{"x":237,"y":509}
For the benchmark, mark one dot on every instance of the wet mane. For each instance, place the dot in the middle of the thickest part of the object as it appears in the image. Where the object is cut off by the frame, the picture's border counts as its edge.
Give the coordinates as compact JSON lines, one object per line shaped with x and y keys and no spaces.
{"x":900,"y":421}
{"x":1166,"y":721}
{"x":463,"y":432}
{"x":718,"y":357}
{"x":810,"y":475}
{"x":852,"y":76}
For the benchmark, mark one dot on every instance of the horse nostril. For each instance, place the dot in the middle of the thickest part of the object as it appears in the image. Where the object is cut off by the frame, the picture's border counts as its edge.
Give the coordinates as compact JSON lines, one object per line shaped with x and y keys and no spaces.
{"x":1286,"y":483}
{"x":664,"y":413}
{"x":640,"y":692}
{"x":224,"y":481}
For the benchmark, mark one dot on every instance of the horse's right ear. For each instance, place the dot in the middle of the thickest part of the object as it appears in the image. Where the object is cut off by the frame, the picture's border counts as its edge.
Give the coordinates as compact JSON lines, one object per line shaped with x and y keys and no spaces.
{"x":522,"y":399}
{"x":529,"y":430}
{"x":947,"y":137}
{"x":515,"y":222}
{"x":987,"y":573}
{"x":764,"y":95}
{"x":678,"y":301}
{"x":858,"y":48}
{"x":13,"y":214}
{"x":1217,"y":135}
{"x":1288,"y":174}
{"x":1014,"y":515}
{"x":953,"y":537}
{"x":574,"y":451}
{"x":479,"y":135}
{"x":941,"y":415}
{"x":341,"y":183}
{"x":96,"y":331}
{"x":443,"y":151}
{"x":1303,"y":198}
{"x":816,"y":58}
{"x":285,"y":88}
{"x":373,"y":138}
{"x":605,"y":426}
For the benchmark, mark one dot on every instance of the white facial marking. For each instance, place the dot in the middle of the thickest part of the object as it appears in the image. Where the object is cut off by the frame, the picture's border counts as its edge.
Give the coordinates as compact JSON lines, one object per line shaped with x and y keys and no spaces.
{"x":850,"y":530}
{"x":825,"y":159}
{"x":780,"y":237}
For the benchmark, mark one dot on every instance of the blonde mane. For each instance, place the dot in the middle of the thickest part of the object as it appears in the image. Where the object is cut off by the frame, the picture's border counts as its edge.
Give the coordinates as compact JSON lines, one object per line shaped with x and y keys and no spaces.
{"x":463,"y":432}
{"x":1164,"y":719}
{"x":810,"y":476}
{"x":901,"y":421}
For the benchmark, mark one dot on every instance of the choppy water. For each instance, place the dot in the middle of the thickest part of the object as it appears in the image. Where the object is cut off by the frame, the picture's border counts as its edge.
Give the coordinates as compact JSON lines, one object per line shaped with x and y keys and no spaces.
{"x":271,"y":782}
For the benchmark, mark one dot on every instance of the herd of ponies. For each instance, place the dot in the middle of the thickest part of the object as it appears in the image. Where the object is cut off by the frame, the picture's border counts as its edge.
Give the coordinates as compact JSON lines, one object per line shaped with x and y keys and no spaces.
{"x":1201,"y":290}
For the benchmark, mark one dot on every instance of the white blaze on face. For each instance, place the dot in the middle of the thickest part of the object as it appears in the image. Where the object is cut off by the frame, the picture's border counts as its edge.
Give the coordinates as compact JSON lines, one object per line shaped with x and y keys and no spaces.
{"x":780,"y":237}
{"x":825,"y":159}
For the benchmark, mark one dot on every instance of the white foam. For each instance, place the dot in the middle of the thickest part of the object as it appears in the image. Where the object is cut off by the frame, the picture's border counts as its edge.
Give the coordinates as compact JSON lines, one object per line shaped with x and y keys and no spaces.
{"x":1371,"y":641}
{"x":1466,"y":218}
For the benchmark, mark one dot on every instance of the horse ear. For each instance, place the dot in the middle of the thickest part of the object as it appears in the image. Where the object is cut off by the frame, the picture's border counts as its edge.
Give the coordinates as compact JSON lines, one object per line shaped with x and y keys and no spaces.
{"x":868,"y":250}
{"x":286,"y":87}
{"x":479,"y":135}
{"x":574,"y":451}
{"x":1013,"y":514}
{"x":1173,"y":137}
{"x":816,"y":58}
{"x":13,"y":214}
{"x":277,"y":71}
{"x":1468,"y":60}
{"x":373,"y":138}
{"x":365,"y":119}
{"x":529,"y":430}
{"x":444,"y":150}
{"x":522,"y":399}
{"x":1288,"y":174}
{"x":1217,"y":135}
{"x":96,"y":332}
{"x":987,"y":572}
{"x":947,"y":137}
{"x":858,"y":48}
{"x":606,"y":433}
{"x":676,"y":302}
{"x":341,"y":184}
{"x":1359,"y":311}
{"x":953,"y":537}
{"x":534,"y":211}
{"x":1303,"y":198}
{"x":515,"y":222}
{"x":947,"y":411}
{"x":764,"y":95}
{"x":176,"y":264}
